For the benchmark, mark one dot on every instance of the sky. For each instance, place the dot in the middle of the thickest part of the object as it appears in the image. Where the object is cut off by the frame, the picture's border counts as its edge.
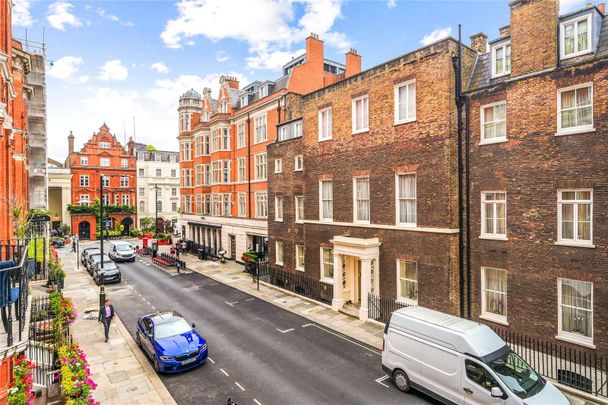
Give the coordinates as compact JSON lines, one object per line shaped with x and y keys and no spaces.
{"x":126,"y":63}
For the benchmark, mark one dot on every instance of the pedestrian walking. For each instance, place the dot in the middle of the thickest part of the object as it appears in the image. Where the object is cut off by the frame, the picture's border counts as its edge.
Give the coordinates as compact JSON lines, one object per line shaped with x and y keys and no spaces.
{"x":74,"y":240}
{"x":106,"y":314}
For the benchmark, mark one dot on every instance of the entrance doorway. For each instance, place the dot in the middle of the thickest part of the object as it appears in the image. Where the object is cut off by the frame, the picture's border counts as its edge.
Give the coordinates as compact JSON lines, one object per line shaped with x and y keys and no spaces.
{"x":127,"y":222}
{"x":352,"y":289}
{"x":84,"y":230}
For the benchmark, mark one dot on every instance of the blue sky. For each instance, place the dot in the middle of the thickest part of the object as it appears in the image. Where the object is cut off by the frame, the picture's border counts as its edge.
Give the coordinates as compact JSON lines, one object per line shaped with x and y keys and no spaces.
{"x":116,"y":60}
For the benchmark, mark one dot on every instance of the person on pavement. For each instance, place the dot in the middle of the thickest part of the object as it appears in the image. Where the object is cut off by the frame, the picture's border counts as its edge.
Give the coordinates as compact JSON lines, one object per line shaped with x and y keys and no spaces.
{"x":106,"y":314}
{"x":74,"y":242}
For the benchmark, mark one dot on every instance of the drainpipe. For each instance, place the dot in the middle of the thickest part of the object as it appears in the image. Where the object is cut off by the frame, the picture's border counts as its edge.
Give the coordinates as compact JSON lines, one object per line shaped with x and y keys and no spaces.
{"x":467,"y":193}
{"x":248,"y":165}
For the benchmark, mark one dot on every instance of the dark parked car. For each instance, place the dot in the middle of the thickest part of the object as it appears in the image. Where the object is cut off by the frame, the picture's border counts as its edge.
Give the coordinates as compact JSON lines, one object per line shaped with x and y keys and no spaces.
{"x":86,"y":252}
{"x":109,"y":274}
{"x":93,"y":259}
{"x":58,"y":242}
{"x":170,"y":341}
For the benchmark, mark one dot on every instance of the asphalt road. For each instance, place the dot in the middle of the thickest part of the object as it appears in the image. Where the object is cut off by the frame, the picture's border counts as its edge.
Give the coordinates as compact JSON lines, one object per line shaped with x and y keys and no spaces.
{"x":258,"y":353}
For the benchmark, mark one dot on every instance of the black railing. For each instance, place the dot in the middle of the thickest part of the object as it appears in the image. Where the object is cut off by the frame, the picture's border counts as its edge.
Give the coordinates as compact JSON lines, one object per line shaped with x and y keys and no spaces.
{"x":380,"y":308}
{"x":297,"y":283}
{"x":196,"y":249}
{"x":13,"y":291}
{"x":585,"y":370}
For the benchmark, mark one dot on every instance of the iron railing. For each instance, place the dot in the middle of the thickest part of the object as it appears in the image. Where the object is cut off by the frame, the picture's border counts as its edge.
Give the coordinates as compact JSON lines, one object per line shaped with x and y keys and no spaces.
{"x":13,"y":289}
{"x":380,"y":308}
{"x":297,"y":283}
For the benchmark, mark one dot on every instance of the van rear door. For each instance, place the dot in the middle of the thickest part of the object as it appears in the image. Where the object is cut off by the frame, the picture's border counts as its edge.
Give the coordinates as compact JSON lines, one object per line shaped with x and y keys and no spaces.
{"x":477,"y":381}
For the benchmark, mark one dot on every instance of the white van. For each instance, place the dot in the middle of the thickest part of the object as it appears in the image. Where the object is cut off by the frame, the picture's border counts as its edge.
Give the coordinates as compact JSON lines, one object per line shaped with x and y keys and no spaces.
{"x":458,"y":361}
{"x":121,"y":251}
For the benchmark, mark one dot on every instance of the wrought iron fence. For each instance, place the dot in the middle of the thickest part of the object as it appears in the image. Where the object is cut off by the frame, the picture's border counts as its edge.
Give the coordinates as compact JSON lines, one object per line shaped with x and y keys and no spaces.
{"x":13,"y":290}
{"x":380,"y":308}
{"x":297,"y":283}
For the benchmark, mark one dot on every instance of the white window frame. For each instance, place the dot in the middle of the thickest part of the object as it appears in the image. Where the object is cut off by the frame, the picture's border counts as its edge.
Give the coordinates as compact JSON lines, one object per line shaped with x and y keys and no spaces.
{"x":278,"y":259}
{"x":409,"y":116}
{"x":300,"y":263}
{"x":83,"y":200}
{"x":84,"y":180}
{"x":298,"y":164}
{"x":104,"y":162}
{"x":260,"y":167}
{"x":491,"y":316}
{"x":321,"y":213}
{"x":104,"y":145}
{"x":400,"y":296}
{"x":579,"y":128}
{"x":126,"y":200}
{"x":576,"y":241}
{"x":278,"y":208}
{"x":482,"y":127}
{"x":261,"y":130}
{"x":299,"y":200}
{"x":124,"y":163}
{"x":569,"y":336}
{"x":324,"y":279}
{"x":242,"y":204}
{"x":397,"y":205}
{"x":484,"y":232}
{"x":240,"y":135}
{"x":278,"y":165}
{"x":84,"y":161}
{"x":106,"y":181}
{"x":495,"y":47}
{"x":259,"y":200}
{"x":142,"y":191}
{"x":325,"y":129}
{"x":355,"y":201}
{"x":124,"y":181}
{"x":241,"y":172}
{"x":354,"y":114}
{"x":562,"y":36}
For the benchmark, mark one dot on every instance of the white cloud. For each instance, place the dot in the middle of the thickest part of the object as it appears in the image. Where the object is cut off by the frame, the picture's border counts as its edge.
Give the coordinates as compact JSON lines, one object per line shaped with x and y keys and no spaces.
{"x":21,"y":13}
{"x":160,"y":67}
{"x":113,"y":70}
{"x":102,"y":13}
{"x":391,"y":4}
{"x":59,"y":15}
{"x":65,"y":68}
{"x":272,"y":60}
{"x":436,"y":35}
{"x":221,"y":56}
{"x":267,"y":26}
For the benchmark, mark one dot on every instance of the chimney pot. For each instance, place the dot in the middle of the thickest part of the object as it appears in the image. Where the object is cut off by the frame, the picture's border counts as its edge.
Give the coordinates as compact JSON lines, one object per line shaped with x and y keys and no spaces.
{"x":479,"y":42}
{"x":504,"y":31}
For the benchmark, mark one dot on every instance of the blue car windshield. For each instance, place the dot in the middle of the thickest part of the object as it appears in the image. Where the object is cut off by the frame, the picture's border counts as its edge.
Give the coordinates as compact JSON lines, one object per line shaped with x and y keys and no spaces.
{"x":172,"y":328}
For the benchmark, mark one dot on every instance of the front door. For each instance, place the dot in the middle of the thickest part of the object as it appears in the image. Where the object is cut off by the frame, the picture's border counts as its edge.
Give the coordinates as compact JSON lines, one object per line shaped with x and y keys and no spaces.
{"x":84,"y":230}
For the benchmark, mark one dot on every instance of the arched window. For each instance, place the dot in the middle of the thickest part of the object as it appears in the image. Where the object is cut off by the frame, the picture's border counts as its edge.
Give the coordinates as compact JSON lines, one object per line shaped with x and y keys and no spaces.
{"x":159,"y":205}
{"x":142,"y":206}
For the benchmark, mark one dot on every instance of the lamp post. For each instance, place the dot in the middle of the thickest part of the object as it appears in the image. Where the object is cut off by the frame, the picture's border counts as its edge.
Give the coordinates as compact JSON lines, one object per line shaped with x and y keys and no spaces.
{"x":156,"y":210}
{"x":102,"y":290}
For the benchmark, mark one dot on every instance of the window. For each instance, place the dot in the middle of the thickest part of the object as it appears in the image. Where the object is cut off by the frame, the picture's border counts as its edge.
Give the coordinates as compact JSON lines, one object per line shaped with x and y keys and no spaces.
{"x":501,"y":59}
{"x":361,"y":199}
{"x":326,"y":199}
{"x":187,"y":178}
{"x":124,"y":181}
{"x":173,"y":173}
{"x":300,"y":257}
{"x":325,"y":124}
{"x":242,"y":205}
{"x":106,"y":199}
{"x":406,"y":199}
{"x":575,"y":36}
{"x":298,"y":163}
{"x":84,"y":199}
{"x":140,"y":156}
{"x":240,"y":164}
{"x":216,"y":204}
{"x":159,"y":191}
{"x":173,"y":206}
{"x":173,"y":159}
{"x":494,"y":122}
{"x":494,"y":294}
{"x":263,"y":91}
{"x":198,"y":175}
{"x":198,"y":146}
{"x":261,"y":205}
{"x":206,"y":144}
{"x":116,"y":199}
{"x":105,"y":181}
{"x":575,"y":310}
{"x":290,"y":130}
{"x":216,"y":172}
{"x":260,"y":166}
{"x":207,"y":207}
{"x":142,"y":191}
{"x":405,"y":102}
{"x":84,"y":181}
{"x":299,"y":208}
{"x":124,"y":163}
{"x":225,"y":139}
{"x":407,"y":282}
{"x":240,"y":135}
{"x":479,"y":375}
{"x":260,"y":128}
{"x":142,"y":206}
{"x":174,"y":192}
{"x":279,"y":252}
{"x":575,"y":213}
{"x":104,"y":145}
{"x":125,"y":199}
{"x":186,"y":151}
{"x":575,"y":109}
{"x":159,"y":172}
{"x":141,"y":172}
{"x":188,"y":206}
{"x":226,"y":171}
{"x":278,"y":165}
{"x":327,"y":265}
{"x":158,"y":157}
{"x":226,"y":205}
{"x":360,"y":114}
{"x":207,"y":175}
{"x":104,"y":162}
{"x":494,"y":214}
{"x":84,"y":160}
{"x":278,"y":209}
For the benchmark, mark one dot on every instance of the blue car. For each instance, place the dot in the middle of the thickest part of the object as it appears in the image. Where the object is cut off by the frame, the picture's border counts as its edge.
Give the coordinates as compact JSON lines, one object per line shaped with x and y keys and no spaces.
{"x":170,"y":341}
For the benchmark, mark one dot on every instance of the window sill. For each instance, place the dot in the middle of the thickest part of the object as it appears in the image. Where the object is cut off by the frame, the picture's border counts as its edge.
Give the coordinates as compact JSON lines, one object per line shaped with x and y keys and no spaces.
{"x":494,"y":237}
{"x":574,"y":131}
{"x":406,"y":225}
{"x":360,"y":131}
{"x":297,"y":170}
{"x":575,"y":244}
{"x":278,"y":220}
{"x":574,"y":55}
{"x":496,"y":76}
{"x":279,"y":263}
{"x":326,"y":221}
{"x":577,"y":341}
{"x":493,"y":141}
{"x":495,"y":318}
{"x":298,"y":222}
{"x":278,"y":172}
{"x":360,"y":222}
{"x":325,"y":140}
{"x":396,"y":123}
{"x":329,"y":281}
{"x":300,"y":269}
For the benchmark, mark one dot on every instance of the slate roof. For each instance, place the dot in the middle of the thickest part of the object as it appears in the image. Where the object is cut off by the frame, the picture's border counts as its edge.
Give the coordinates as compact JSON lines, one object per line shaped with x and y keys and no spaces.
{"x":191,"y":94}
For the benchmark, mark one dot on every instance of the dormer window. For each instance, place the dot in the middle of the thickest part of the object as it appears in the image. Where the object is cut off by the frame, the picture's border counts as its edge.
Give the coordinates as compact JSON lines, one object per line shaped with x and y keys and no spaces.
{"x":263,"y":91}
{"x":205,"y":116}
{"x":223,"y":107}
{"x":501,"y":59}
{"x":244,"y":100}
{"x":575,"y":36}
{"x":104,"y":145}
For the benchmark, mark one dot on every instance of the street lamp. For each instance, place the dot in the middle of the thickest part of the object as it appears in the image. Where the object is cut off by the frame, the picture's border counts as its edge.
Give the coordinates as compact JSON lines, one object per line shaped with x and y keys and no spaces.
{"x":156,"y":210}
{"x":102,"y":290}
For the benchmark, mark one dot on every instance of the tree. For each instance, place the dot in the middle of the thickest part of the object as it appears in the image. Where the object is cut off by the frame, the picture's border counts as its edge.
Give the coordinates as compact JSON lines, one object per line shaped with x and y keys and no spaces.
{"x":147,"y":225}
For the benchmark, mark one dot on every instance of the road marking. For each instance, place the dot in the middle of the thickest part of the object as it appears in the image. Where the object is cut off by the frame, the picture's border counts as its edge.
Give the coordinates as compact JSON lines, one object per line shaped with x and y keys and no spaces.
{"x":153,"y":307}
{"x":249,"y":299}
{"x":240,"y":386}
{"x":342,"y":337}
{"x":286,"y":330}
{"x":231,"y":303}
{"x":256,"y":401}
{"x":222,"y":370}
{"x":211,"y":360}
{"x":383,"y":378}
{"x":214,"y":284}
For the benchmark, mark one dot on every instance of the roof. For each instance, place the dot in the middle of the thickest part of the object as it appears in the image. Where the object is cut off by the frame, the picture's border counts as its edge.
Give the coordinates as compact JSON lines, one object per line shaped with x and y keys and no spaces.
{"x":191,"y":94}
{"x":164,"y":316}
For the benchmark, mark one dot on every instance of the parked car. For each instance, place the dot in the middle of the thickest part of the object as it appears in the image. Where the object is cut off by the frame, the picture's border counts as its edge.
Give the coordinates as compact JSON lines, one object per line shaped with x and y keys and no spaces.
{"x":453,"y":359}
{"x":57,"y":242}
{"x":170,"y":341}
{"x":121,"y":251}
{"x":93,"y":259}
{"x":84,"y":256}
{"x":109,"y":274}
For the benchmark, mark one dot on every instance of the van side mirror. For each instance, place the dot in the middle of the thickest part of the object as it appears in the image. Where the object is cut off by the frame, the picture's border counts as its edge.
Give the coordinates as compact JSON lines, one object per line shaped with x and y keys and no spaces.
{"x":496,"y":392}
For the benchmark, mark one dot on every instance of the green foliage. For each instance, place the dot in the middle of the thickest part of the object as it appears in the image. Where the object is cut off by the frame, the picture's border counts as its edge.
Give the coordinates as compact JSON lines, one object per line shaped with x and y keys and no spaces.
{"x":150,"y":148}
{"x":163,"y":236}
{"x":147,"y":224}
{"x":35,"y":250}
{"x":56,"y":272}
{"x":19,"y":216}
{"x":134,"y":232}
{"x":38,"y":213}
{"x":20,"y":389}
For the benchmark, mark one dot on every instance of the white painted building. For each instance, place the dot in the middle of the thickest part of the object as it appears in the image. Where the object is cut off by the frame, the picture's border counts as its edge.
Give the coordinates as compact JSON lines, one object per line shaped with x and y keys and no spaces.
{"x":157,"y":183}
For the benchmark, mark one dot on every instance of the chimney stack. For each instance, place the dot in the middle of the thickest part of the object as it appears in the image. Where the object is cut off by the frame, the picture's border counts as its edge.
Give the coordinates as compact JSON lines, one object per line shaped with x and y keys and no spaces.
{"x":231,"y":80}
{"x":353,"y":63}
{"x":479,"y":42}
{"x":504,"y":31}
{"x":314,"y":52}
{"x":70,"y":143}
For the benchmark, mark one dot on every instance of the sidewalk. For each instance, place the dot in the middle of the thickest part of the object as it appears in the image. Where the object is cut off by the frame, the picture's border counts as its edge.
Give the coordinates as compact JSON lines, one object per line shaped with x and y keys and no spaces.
{"x":121,"y":370}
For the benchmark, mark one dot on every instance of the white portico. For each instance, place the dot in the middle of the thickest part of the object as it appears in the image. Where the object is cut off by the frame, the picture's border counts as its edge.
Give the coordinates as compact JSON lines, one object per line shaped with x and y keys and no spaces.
{"x":355,"y":271}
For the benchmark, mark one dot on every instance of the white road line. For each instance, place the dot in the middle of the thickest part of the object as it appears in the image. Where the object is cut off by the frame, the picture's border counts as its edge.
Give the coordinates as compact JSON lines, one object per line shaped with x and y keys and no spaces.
{"x":214,"y":284}
{"x":383,"y":378}
{"x":153,"y":307}
{"x":231,"y":303}
{"x":342,"y":337}
{"x":256,"y":401}
{"x":286,"y":330}
{"x":240,"y":386}
{"x":222,"y":370}
{"x":249,"y":299}
{"x":211,"y":360}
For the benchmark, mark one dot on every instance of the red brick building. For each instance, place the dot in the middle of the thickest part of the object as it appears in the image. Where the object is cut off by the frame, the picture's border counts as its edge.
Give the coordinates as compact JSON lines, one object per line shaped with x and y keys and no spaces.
{"x":103,"y":155}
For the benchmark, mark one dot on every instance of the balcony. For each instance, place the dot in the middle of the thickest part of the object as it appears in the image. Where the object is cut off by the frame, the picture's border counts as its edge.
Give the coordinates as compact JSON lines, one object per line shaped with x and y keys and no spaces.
{"x":37,"y":169}
{"x":37,"y":140}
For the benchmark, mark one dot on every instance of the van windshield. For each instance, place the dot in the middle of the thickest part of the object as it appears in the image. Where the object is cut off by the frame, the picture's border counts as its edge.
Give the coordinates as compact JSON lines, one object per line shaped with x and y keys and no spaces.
{"x":123,"y":248}
{"x":517,"y":375}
